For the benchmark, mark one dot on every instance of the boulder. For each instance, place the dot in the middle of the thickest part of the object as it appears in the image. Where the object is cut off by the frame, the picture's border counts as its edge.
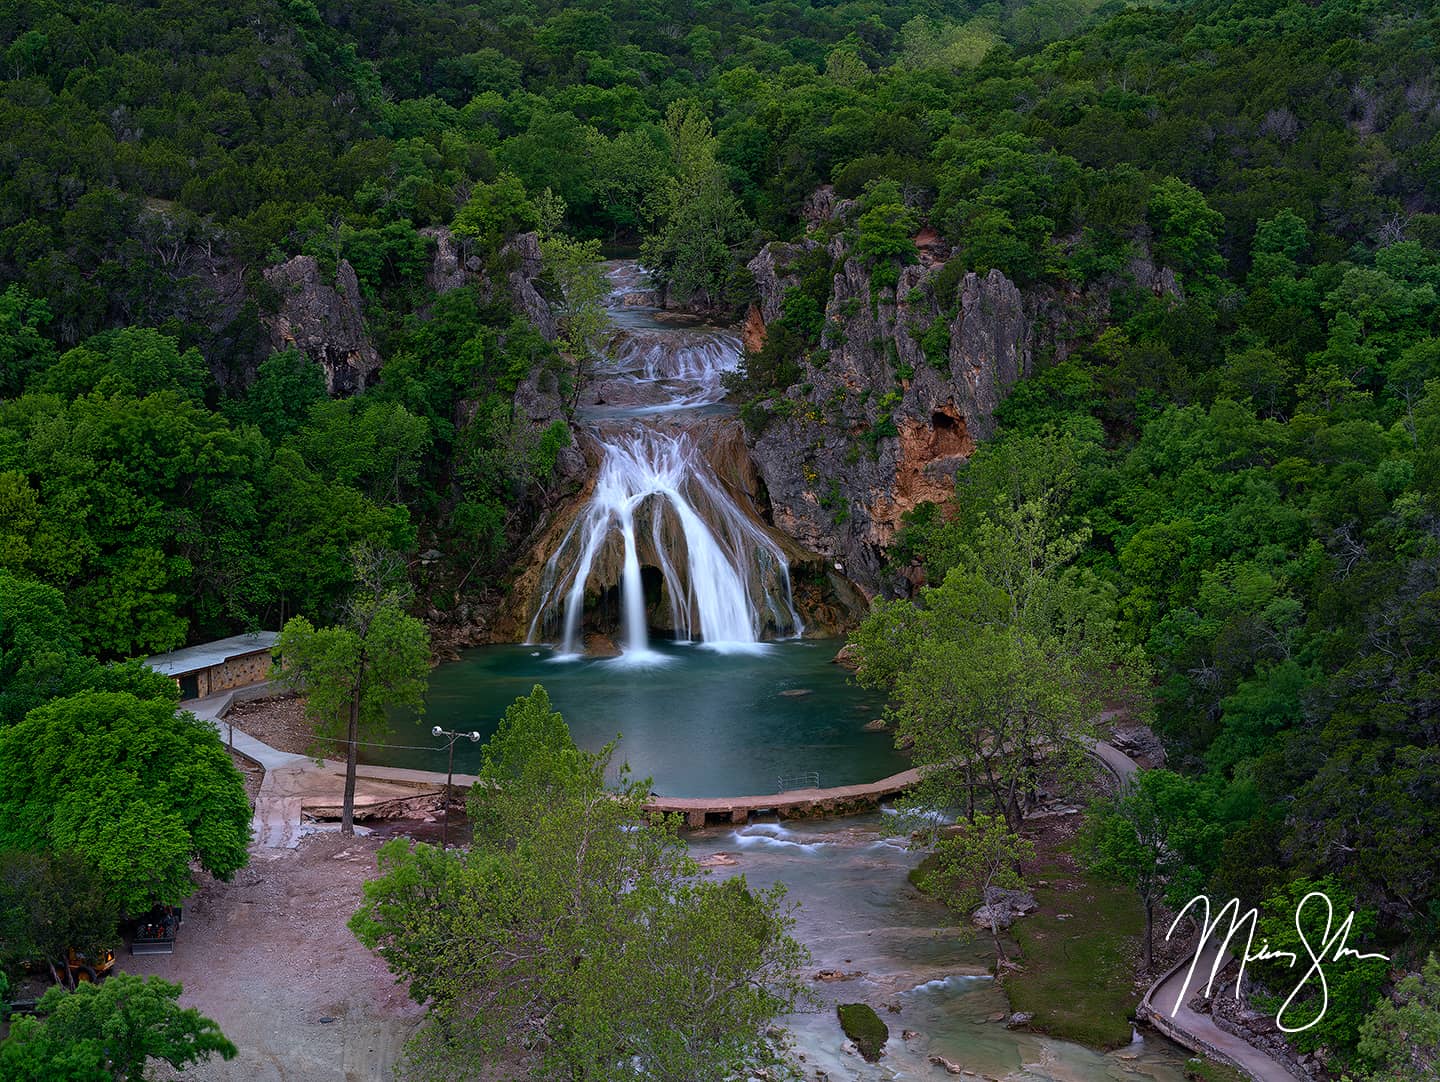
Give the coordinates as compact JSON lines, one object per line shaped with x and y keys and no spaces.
{"x":863,"y":1026}
{"x":1004,"y":907}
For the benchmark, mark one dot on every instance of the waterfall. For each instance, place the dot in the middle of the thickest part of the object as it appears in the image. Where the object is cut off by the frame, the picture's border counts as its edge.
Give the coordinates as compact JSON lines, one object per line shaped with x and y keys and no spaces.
{"x":658,"y":505}
{"x":726,"y":580}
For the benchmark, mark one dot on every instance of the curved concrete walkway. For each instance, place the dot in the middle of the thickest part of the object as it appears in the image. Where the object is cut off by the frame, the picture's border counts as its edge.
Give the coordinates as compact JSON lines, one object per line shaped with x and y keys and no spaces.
{"x":840,"y":799}
{"x":293,"y":783}
{"x":1199,"y":1032}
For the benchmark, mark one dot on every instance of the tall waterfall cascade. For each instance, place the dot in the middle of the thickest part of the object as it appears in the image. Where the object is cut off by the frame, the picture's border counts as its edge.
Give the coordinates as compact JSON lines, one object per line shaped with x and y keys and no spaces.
{"x":660,"y":525}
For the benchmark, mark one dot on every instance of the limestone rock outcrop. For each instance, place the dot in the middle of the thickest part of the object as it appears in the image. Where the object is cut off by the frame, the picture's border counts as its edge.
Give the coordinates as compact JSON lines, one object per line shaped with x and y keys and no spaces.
{"x":904,"y":384}
{"x":539,"y":405}
{"x":448,"y":269}
{"x":521,"y":257}
{"x":322,"y":317}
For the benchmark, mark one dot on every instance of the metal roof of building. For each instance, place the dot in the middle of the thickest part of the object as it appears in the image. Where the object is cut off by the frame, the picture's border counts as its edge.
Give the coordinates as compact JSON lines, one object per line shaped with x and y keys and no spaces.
{"x":207,"y":654}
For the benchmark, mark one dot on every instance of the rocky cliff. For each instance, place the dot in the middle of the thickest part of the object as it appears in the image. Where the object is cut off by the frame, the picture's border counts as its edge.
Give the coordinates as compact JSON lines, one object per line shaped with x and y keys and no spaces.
{"x":905,"y":381}
{"x":322,"y":318}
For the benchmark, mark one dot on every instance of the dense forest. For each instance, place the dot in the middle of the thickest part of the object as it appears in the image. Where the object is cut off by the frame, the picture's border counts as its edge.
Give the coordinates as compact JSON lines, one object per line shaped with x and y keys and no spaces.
{"x":1243,"y":469}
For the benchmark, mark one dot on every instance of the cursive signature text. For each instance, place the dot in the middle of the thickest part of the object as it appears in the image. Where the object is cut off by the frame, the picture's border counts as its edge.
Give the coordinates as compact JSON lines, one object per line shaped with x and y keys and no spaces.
{"x":1333,"y":946}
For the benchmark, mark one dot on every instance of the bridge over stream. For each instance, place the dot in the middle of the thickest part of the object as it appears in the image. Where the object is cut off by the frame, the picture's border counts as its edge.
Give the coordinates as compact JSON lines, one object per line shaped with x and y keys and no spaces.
{"x":837,"y":800}
{"x":789,"y":804}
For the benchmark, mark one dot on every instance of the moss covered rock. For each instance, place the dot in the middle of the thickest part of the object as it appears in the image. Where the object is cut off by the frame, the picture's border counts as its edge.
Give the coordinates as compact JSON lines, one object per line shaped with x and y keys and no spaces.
{"x":863,"y":1026}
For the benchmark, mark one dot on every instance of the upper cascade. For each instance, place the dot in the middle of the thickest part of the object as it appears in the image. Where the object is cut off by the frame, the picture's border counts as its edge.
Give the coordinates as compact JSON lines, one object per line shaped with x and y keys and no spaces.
{"x":662,"y":542}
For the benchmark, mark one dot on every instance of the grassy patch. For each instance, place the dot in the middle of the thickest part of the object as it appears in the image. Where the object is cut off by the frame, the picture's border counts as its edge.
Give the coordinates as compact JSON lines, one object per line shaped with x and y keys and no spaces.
{"x":1077,"y":975}
{"x":863,"y":1026}
{"x":1204,"y":1070}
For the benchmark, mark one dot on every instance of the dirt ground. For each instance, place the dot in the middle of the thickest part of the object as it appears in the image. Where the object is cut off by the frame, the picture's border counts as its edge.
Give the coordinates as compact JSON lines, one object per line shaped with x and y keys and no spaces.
{"x":280,"y":722}
{"x":252,"y":774}
{"x":268,"y":956}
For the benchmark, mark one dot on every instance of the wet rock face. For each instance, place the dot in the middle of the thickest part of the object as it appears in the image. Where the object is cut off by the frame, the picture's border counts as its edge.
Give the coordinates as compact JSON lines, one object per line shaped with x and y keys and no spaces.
{"x":904,"y":385}
{"x":322,"y":318}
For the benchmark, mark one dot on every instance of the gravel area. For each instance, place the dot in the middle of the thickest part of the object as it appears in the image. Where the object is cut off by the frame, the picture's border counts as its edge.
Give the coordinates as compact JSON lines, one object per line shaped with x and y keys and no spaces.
{"x":252,"y":774}
{"x":269,"y":957}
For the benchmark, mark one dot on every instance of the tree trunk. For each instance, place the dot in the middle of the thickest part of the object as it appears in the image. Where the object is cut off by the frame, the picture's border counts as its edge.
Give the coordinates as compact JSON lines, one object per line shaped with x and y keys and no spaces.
{"x":347,"y":808}
{"x":995,"y":939}
{"x":1149,"y":920}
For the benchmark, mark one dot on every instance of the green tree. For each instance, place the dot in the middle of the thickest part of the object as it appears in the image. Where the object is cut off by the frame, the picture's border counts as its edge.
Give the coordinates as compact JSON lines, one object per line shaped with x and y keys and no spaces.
{"x":575,"y":268}
{"x":24,"y":349}
{"x":51,"y":903}
{"x":134,"y":361}
{"x":495,"y":211}
{"x":377,"y":659}
{"x":1352,"y":985}
{"x":972,"y":864}
{"x":997,"y":675}
{"x":886,"y":227}
{"x":1155,"y":836}
{"x":1187,"y":229}
{"x":109,"y":1032}
{"x":135,"y":789}
{"x":569,"y":894}
{"x":39,"y":649}
{"x":286,"y":387}
{"x":1400,"y":1040}
{"x":699,"y":222}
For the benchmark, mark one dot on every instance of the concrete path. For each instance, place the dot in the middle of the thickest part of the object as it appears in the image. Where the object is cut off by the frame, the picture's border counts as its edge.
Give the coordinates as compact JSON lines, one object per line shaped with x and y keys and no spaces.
{"x":294,"y":783}
{"x":1198,"y":1031}
{"x":839,"y":799}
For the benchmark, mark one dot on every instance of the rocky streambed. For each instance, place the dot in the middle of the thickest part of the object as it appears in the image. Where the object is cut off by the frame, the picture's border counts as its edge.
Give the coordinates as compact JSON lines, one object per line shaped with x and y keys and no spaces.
{"x":874,"y":939}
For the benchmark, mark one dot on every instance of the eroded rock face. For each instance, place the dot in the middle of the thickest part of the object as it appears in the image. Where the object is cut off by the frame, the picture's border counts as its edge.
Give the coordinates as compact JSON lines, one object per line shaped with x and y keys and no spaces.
{"x":447,"y":269}
{"x":323,"y":319}
{"x":876,"y":425}
{"x":538,"y":406}
{"x":772,"y":276}
{"x":522,"y":256}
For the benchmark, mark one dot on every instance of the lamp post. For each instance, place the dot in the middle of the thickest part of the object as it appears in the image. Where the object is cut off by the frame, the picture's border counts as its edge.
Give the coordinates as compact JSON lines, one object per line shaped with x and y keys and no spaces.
{"x":474,"y":738}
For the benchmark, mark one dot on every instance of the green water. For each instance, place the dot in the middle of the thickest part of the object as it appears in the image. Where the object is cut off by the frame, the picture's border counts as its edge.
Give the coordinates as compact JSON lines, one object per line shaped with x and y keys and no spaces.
{"x":699,"y":723}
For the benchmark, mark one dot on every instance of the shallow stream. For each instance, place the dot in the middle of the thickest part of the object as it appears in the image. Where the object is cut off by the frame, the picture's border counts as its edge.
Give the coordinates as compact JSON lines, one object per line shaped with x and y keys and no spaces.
{"x":858,"y":913}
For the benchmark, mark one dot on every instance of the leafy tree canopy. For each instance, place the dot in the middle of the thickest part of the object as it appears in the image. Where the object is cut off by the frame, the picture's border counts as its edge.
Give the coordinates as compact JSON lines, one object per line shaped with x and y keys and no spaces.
{"x":128,"y":785}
